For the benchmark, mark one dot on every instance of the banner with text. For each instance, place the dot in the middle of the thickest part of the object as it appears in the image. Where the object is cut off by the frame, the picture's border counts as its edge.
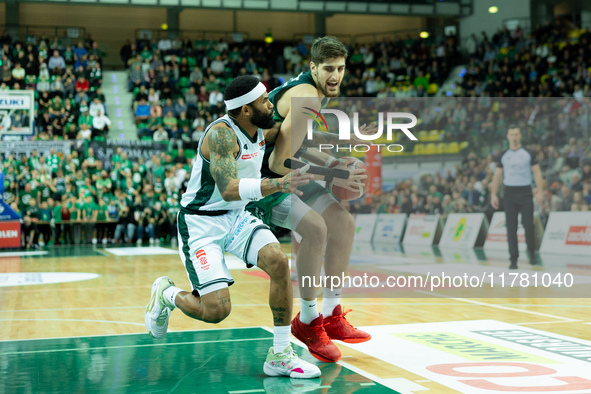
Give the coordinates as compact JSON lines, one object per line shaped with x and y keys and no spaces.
{"x":568,"y":233}
{"x":421,"y":229}
{"x":18,"y":148}
{"x":364,"y":226}
{"x":483,"y":356}
{"x":389,"y":227}
{"x":134,"y":149}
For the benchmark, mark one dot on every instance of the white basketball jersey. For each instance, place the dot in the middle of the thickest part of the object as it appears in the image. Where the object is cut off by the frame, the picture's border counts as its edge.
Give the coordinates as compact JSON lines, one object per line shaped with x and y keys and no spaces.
{"x":202,"y":192}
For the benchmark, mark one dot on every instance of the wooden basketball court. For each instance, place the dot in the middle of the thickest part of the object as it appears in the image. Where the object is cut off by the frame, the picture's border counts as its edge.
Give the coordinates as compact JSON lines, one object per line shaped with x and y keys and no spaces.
{"x":71,"y":320}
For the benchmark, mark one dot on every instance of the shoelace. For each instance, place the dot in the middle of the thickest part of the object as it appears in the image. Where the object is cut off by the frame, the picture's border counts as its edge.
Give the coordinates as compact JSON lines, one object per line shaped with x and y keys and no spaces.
{"x":319,"y":330}
{"x":162,"y":316}
{"x":341,"y":318}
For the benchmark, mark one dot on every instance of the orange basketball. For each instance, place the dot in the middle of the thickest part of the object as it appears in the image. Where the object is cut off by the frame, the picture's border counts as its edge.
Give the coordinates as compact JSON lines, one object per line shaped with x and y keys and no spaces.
{"x":344,"y":194}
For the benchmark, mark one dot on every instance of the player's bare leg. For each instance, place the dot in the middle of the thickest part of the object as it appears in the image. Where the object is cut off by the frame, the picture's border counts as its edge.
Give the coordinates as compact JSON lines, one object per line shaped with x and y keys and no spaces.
{"x":341,"y":230}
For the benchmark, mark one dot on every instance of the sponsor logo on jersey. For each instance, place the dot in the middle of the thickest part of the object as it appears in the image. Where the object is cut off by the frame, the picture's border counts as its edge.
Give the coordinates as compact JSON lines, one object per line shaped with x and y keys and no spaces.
{"x":202,"y":258}
{"x":248,"y":156}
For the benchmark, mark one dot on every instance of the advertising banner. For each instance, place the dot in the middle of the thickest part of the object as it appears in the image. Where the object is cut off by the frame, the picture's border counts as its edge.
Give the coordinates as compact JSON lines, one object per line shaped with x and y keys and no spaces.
{"x":568,"y":233}
{"x":484,"y":356}
{"x":389,"y":228}
{"x":10,"y":234}
{"x":464,"y":230}
{"x":422,"y":229}
{"x":364,"y":226}
{"x":134,"y":149}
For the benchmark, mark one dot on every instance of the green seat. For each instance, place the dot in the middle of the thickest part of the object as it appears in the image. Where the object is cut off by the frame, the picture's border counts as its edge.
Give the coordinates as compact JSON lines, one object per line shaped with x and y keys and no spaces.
{"x":146,"y":138}
{"x":184,"y":82}
{"x":189,"y":153}
{"x":191,"y":61}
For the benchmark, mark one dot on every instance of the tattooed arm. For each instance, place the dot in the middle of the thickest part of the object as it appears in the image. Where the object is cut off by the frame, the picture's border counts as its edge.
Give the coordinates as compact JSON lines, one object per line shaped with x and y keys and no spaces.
{"x":223,"y":145}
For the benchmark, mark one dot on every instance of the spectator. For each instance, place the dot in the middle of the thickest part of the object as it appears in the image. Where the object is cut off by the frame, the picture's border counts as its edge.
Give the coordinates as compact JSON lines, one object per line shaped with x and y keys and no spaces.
{"x":100,"y":124}
{"x":136,"y":77}
{"x":160,"y":134}
{"x":82,"y":84}
{"x":95,"y":107}
{"x":29,"y":234}
{"x":142,"y":112}
{"x":56,"y":64}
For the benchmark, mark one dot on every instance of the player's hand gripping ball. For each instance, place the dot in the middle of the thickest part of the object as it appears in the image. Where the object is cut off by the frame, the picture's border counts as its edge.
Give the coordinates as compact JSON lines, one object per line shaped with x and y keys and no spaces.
{"x":357,"y":184}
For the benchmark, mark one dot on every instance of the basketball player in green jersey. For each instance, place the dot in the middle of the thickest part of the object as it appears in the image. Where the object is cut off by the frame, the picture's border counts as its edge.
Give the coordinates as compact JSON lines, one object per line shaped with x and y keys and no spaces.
{"x":326,"y":228}
{"x":212,"y":220}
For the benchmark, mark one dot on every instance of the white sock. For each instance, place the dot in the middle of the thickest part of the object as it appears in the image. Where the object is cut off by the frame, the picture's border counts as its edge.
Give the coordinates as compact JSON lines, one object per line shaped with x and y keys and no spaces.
{"x":330,"y":299}
{"x":170,"y":296}
{"x":309,"y":311}
{"x":280,"y":338}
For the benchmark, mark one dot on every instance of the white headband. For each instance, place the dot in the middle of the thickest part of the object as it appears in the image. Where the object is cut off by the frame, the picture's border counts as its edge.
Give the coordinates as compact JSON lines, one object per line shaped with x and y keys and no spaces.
{"x":247,"y":98}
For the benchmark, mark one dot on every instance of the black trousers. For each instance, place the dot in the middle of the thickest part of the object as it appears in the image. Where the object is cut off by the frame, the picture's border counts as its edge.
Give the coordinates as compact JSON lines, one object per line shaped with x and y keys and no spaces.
{"x":519,"y":199}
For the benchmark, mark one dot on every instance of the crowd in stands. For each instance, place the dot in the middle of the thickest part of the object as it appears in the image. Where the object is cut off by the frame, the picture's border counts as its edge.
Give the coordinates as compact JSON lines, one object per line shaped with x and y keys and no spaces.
{"x":467,"y":188}
{"x":551,"y":61}
{"x":66,"y":78}
{"x":557,"y":131}
{"x":178,"y":90}
{"x":178,"y":84}
{"x":79,"y":199}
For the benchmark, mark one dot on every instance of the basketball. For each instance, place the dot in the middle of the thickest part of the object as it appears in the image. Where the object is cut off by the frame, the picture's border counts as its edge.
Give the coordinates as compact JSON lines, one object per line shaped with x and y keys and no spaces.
{"x":344,"y":194}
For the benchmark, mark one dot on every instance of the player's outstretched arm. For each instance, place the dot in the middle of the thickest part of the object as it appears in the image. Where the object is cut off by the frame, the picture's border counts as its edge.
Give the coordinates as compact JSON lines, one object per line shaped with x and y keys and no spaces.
{"x":222,"y":143}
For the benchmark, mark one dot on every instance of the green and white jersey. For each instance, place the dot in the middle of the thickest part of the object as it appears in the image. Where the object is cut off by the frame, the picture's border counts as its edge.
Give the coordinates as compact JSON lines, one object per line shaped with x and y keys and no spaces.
{"x":202,"y":193}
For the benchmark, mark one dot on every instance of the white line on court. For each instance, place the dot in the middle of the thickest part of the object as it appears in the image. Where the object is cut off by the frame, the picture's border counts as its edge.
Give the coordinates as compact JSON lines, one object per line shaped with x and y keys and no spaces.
{"x":133,"y":346}
{"x":127,"y":333}
{"x":498,"y":306}
{"x":12,"y":254}
{"x":545,"y":322}
{"x":297,"y":303}
{"x":402,"y":385}
{"x":81,"y":320}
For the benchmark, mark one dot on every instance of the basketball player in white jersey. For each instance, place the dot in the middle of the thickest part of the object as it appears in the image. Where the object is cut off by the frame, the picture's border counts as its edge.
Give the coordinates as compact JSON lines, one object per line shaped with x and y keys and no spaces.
{"x":225,"y":177}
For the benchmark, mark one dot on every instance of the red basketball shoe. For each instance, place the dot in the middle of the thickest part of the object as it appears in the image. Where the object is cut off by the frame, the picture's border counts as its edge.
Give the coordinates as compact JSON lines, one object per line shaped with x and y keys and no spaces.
{"x":338,"y":328}
{"x":314,"y":336}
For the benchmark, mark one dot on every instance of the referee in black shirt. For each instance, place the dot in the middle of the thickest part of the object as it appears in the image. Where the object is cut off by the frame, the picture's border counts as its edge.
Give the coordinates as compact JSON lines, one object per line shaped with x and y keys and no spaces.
{"x":515,"y":166}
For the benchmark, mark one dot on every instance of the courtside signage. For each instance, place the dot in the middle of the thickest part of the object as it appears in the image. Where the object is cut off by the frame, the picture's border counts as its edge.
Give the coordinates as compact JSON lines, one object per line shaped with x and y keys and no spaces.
{"x":568,"y":233}
{"x":497,"y":233}
{"x":17,"y":112}
{"x":421,"y":229}
{"x":462,"y":230}
{"x":364,"y":226}
{"x":484,"y":356}
{"x":10,"y":234}
{"x":389,"y":227}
